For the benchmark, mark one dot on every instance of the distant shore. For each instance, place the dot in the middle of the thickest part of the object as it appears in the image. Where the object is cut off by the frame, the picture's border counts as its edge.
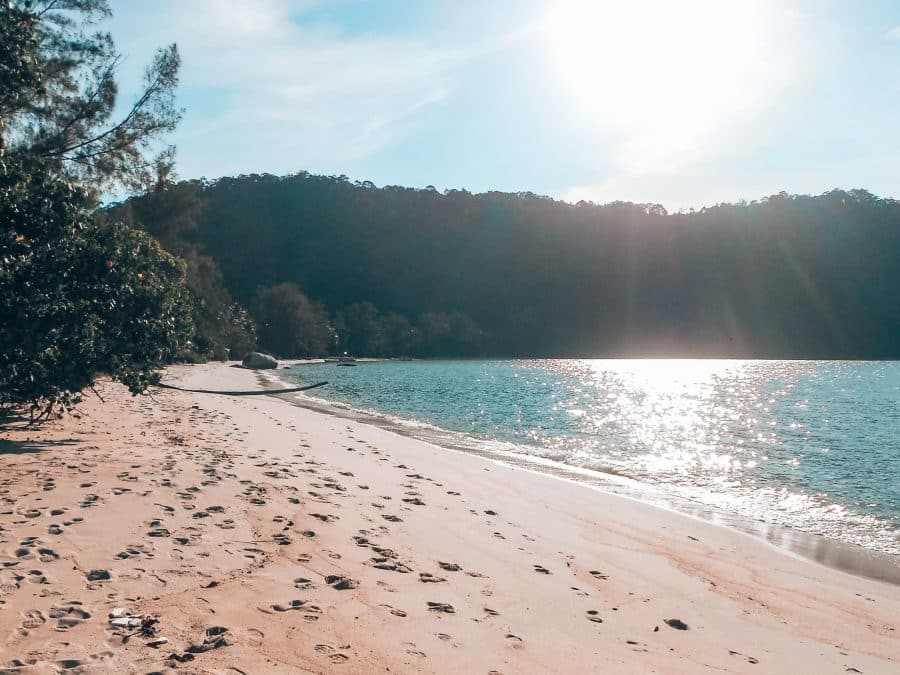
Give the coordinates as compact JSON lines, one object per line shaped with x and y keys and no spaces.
{"x":265,"y":537}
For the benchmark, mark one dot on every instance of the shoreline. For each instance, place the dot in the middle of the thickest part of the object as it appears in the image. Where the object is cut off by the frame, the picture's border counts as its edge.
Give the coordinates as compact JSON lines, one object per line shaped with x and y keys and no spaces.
{"x":829,"y":552}
{"x":263,"y":537}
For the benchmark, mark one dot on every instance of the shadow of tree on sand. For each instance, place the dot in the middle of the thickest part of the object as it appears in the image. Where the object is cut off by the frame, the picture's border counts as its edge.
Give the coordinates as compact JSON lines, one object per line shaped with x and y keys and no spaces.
{"x":8,"y":447}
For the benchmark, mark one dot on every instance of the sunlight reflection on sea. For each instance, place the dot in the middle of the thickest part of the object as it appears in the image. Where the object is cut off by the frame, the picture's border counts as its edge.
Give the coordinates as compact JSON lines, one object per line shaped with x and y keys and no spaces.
{"x":811,"y":445}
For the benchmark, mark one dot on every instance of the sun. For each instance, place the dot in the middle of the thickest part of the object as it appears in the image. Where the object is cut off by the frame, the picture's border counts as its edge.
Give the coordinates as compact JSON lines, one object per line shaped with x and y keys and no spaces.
{"x":664,"y":74}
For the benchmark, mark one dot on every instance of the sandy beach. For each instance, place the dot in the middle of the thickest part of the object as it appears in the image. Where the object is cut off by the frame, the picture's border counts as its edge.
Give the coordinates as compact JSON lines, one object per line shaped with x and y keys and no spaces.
{"x":213,"y":534}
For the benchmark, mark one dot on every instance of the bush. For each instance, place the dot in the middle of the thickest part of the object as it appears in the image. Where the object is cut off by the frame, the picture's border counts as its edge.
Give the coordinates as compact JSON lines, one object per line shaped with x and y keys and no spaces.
{"x":78,"y":297}
{"x":290,"y":325}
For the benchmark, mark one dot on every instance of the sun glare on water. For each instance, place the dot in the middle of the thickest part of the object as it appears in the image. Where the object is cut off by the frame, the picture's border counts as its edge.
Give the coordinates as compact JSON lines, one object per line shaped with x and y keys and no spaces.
{"x":666,"y":74}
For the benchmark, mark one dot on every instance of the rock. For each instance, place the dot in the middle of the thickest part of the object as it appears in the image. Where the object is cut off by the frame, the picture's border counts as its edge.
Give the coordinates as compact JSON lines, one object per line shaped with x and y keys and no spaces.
{"x":98,"y":575}
{"x":126,"y":622}
{"x":258,"y":361}
{"x":158,"y":642}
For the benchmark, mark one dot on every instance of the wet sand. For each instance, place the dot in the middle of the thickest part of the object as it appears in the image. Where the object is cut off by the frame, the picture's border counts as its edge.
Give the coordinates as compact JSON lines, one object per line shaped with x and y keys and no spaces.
{"x":256,"y":536}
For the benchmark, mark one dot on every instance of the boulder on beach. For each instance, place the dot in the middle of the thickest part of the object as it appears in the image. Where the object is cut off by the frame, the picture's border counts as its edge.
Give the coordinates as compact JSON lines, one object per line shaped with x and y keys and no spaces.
{"x":258,"y":361}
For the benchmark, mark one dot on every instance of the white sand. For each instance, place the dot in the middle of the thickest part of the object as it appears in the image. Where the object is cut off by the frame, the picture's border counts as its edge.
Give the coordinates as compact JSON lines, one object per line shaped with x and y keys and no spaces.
{"x":304,"y":496}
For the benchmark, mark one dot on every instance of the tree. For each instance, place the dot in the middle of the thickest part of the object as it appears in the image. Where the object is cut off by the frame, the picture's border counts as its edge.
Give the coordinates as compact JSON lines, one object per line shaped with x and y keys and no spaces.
{"x":454,"y":334}
{"x":362,"y":334}
{"x":789,"y":276}
{"x":401,"y":338}
{"x":223,"y":327}
{"x":169,"y":212}
{"x":78,"y":297}
{"x":289,"y":323}
{"x":59,"y":95}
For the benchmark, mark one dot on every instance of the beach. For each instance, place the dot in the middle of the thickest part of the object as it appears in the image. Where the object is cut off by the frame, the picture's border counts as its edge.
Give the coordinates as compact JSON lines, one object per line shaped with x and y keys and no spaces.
{"x":249,"y":535}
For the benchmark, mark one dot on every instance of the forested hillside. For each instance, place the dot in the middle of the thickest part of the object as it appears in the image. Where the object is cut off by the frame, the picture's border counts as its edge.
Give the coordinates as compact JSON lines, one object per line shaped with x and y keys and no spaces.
{"x":520,"y":274}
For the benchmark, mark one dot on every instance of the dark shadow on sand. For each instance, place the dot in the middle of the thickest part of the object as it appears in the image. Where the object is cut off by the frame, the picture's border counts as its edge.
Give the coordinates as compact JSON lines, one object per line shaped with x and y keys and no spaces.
{"x":30,"y":447}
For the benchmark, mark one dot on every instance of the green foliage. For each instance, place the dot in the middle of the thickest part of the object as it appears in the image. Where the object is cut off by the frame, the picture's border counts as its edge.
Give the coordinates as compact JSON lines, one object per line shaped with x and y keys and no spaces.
{"x":19,"y":71}
{"x":169,"y":212}
{"x":290,"y":325}
{"x":401,"y":338}
{"x":78,"y":297}
{"x":223,"y":327}
{"x":453,"y":334}
{"x":59,"y":94}
{"x":789,"y":276}
{"x":360,"y":330}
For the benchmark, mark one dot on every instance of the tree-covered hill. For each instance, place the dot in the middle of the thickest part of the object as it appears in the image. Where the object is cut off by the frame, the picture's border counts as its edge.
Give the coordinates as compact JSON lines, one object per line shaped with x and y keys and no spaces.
{"x":787,"y":276}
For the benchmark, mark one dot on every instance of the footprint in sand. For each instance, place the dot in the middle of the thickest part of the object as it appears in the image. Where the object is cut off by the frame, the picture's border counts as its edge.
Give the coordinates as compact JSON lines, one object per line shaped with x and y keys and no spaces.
{"x":593,"y":615}
{"x":36,"y":577}
{"x":514,"y":641}
{"x":32,"y":619}
{"x":541,"y":569}
{"x":47,"y":555}
{"x":677,"y":624}
{"x":340,"y":582}
{"x":441,"y":608}
{"x":428,"y":578}
{"x":295,"y":605}
{"x":333,"y":655}
{"x":9,"y":582}
{"x":412,"y":651}
{"x":69,"y":615}
{"x":390,"y":565}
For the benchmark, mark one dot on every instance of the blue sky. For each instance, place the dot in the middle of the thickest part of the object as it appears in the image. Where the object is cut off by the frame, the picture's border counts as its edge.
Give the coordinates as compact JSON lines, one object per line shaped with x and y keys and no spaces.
{"x":684,"y":103}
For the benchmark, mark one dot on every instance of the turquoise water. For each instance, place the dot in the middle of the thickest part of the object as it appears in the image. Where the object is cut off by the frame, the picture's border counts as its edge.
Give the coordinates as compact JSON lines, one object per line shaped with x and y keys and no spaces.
{"x":811,"y":445}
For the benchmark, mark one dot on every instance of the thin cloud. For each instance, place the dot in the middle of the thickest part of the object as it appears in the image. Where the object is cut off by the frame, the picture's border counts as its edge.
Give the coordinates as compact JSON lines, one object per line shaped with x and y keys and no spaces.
{"x":290,"y":93}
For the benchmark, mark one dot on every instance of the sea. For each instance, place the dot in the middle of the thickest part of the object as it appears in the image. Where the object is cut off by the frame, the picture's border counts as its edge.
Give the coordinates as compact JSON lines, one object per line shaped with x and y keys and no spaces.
{"x":807,"y":447}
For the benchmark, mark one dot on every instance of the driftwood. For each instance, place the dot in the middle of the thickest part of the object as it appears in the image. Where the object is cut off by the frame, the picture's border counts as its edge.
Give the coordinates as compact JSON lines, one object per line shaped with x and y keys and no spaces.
{"x":263,"y":392}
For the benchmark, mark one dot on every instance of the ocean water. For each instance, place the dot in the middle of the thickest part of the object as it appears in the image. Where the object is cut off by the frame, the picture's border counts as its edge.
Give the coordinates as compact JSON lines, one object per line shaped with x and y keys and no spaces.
{"x":814,"y":446}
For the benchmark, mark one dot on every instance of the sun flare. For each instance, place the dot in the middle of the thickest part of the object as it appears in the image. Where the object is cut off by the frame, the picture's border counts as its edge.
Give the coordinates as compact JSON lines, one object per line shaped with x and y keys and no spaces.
{"x":664,"y":74}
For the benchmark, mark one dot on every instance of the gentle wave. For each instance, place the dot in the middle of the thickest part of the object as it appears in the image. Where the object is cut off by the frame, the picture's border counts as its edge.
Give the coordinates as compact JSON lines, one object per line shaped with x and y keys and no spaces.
{"x":805,"y":445}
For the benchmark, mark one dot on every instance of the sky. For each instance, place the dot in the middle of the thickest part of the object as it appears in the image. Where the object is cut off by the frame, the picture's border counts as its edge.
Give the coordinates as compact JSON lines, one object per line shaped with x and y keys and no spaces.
{"x":687,"y":103}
